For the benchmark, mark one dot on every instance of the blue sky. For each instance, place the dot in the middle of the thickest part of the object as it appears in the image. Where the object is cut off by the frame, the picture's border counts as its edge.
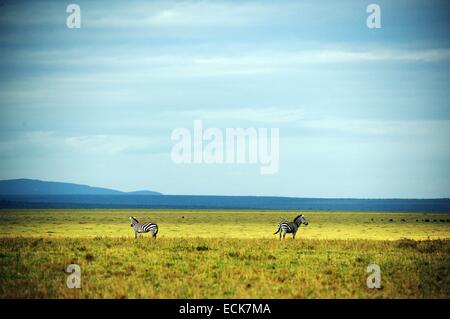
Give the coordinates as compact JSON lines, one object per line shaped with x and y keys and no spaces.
{"x":361,"y":112}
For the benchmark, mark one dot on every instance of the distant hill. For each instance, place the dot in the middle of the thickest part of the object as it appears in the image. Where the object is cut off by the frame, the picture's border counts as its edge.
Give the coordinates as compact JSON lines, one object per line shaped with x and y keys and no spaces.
{"x":25,"y":186}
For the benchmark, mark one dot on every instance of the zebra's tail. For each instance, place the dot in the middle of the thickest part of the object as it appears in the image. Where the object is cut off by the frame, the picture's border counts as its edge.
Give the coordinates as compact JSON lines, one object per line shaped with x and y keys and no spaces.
{"x":279,"y":228}
{"x":156,"y":231}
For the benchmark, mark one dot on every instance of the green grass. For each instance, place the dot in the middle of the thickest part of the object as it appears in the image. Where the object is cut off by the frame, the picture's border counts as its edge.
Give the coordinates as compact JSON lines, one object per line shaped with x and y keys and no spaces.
{"x":222,"y":254}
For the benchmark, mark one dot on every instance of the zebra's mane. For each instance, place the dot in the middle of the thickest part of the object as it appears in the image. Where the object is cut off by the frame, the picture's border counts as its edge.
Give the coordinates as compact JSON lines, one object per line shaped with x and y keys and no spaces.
{"x":134,"y":218}
{"x":296,"y":218}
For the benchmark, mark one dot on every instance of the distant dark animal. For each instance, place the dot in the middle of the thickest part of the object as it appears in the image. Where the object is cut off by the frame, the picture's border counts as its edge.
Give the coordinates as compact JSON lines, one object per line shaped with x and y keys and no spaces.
{"x":442,"y":221}
{"x":434,"y":220}
{"x":391,"y":220}
{"x":146,"y":227}
{"x":448,"y":220}
{"x":371,"y":219}
{"x":427,"y":220}
{"x":417,"y":220}
{"x":403,"y":220}
{"x":382,"y":219}
{"x":285,"y":227}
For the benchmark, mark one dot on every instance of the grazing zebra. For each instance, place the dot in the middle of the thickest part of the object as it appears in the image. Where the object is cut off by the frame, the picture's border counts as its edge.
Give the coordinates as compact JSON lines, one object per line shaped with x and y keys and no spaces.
{"x":143,"y":227}
{"x":285,"y":227}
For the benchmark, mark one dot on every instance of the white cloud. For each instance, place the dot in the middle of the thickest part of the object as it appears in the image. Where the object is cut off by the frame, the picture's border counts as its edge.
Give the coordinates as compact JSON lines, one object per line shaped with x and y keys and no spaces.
{"x":144,"y":14}
{"x":380,"y":127}
{"x":114,"y":144}
{"x":117,"y":59}
{"x":46,"y":142}
{"x":187,"y":14}
{"x":143,"y":66}
{"x":245,"y":114}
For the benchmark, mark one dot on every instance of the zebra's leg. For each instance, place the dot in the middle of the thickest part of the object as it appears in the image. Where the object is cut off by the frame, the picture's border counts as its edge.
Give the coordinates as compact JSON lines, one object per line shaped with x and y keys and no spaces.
{"x":135,"y":234}
{"x":293,"y":235}
{"x":284,"y":234}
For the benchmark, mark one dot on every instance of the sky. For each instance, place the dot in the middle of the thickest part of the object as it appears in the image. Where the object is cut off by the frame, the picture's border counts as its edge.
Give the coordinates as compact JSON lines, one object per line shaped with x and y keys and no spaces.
{"x":361,"y":112}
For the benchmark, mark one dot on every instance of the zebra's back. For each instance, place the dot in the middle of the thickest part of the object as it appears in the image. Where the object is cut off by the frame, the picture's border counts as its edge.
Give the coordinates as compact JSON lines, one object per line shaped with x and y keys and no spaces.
{"x":288,"y":227}
{"x":147,"y":227}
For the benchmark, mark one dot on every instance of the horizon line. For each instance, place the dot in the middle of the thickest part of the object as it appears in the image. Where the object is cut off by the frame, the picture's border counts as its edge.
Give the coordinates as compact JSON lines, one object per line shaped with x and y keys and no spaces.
{"x":210,"y":195}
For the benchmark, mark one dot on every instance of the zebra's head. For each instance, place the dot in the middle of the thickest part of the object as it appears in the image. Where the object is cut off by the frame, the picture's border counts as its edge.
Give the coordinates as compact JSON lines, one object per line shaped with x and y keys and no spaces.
{"x":300,"y":219}
{"x":133,"y":220}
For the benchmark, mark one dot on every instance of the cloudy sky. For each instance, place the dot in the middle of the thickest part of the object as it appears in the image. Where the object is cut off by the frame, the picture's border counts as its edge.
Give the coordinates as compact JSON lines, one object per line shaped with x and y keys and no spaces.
{"x":361,"y":112}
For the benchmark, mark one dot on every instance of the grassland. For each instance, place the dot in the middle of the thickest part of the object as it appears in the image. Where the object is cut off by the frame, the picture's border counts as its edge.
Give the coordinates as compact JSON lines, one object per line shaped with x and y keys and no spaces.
{"x":223,"y":254}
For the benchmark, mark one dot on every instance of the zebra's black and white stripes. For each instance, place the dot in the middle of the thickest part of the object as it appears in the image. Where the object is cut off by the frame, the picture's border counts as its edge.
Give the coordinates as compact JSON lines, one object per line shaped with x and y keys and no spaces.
{"x":146,"y":227}
{"x":285,"y":227}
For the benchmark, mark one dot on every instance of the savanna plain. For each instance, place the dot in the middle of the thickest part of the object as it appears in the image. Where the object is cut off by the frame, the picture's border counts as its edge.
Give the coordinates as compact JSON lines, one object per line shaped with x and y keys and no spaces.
{"x":223,"y":254}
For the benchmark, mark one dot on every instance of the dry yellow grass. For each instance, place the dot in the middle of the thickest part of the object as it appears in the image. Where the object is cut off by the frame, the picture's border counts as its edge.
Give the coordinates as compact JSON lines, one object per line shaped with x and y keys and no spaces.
{"x":219,"y":254}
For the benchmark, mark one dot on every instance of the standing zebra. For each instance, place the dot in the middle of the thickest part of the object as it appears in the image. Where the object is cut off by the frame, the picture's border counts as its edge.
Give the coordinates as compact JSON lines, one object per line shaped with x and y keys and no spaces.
{"x":143,"y":227}
{"x":285,"y":227}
